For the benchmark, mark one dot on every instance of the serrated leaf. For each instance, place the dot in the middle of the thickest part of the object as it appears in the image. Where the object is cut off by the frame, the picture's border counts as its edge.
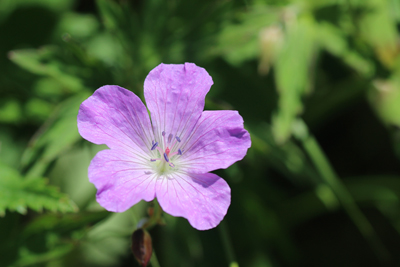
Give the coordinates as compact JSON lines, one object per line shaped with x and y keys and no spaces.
{"x":18,"y":194}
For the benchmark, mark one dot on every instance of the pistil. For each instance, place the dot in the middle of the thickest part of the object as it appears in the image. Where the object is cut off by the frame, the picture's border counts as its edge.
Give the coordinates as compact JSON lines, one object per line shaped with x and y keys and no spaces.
{"x":166,"y":148}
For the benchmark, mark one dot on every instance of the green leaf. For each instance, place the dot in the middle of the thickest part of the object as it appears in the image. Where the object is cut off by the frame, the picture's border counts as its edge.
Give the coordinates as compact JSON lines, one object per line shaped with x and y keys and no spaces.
{"x":111,"y":14}
{"x":18,"y":194}
{"x":108,"y":240}
{"x":42,"y":62}
{"x":378,"y":28}
{"x":10,"y":110}
{"x":57,"y":135}
{"x":27,"y":258}
{"x":288,"y":158}
{"x":335,"y":42}
{"x":377,"y":23}
{"x":292,"y":75}
{"x":66,"y":223}
{"x":239,"y":42}
{"x":77,"y":25}
{"x":384,"y":97}
{"x":8,"y":6}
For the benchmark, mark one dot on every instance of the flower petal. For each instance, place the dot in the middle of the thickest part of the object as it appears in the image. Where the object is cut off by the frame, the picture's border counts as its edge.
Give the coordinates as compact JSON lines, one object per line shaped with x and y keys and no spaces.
{"x":217,"y":141}
{"x":175,"y":96}
{"x":118,"y":118}
{"x":120,"y":180}
{"x":203,"y":199}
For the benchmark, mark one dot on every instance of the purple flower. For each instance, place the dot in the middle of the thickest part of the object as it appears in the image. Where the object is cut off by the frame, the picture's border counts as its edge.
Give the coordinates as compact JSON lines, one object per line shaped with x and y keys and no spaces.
{"x":170,"y":156}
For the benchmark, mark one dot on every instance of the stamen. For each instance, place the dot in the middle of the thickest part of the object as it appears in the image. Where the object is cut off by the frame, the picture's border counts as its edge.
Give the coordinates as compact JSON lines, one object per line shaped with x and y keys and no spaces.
{"x":165,"y":149}
{"x":147,"y":172}
{"x":154,"y":146}
{"x":166,"y":157}
{"x":163,"y":134}
{"x":173,"y":154}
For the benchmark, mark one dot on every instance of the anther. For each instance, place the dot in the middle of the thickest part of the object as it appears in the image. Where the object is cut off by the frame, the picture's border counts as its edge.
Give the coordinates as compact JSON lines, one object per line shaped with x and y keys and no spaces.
{"x":152,"y":159}
{"x":166,"y":157}
{"x":147,"y":172}
{"x":180,"y":152}
{"x":154,"y":146}
{"x":170,"y":138}
{"x":163,"y":133}
{"x":178,"y":139}
{"x":171,"y":164}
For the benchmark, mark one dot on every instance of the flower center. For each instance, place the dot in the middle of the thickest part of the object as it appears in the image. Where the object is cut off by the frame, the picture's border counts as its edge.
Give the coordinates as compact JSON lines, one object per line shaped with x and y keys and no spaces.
{"x":167,"y":151}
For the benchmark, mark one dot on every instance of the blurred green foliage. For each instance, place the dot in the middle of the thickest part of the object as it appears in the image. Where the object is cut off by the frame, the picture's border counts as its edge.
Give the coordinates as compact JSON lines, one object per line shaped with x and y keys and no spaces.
{"x":316,"y":81}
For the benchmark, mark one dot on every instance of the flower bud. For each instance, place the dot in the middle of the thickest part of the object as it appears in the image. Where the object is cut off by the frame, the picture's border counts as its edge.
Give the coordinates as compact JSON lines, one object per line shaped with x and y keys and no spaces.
{"x":141,"y":246}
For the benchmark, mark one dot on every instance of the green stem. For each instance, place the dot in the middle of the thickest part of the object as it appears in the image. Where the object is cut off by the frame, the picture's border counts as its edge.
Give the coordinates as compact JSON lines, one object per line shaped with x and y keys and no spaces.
{"x":226,"y":242}
{"x":155,"y":218}
{"x":331,"y":179}
{"x":154,"y":260}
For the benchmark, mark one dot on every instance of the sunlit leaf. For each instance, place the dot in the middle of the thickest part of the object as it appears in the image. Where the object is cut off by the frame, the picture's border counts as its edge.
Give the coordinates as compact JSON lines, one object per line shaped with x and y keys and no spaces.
{"x":238,"y":42}
{"x":292,"y":75}
{"x":385,"y":99}
{"x":378,"y":27}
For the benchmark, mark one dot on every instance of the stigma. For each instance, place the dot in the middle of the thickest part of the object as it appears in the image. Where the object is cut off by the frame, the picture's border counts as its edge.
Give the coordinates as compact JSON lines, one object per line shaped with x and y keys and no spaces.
{"x":167,"y":149}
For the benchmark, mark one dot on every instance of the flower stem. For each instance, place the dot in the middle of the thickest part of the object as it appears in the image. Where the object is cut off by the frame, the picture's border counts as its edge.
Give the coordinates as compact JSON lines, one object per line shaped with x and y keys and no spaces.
{"x":226,"y":242}
{"x":154,"y":260}
{"x":155,"y":217}
{"x":330,"y":178}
